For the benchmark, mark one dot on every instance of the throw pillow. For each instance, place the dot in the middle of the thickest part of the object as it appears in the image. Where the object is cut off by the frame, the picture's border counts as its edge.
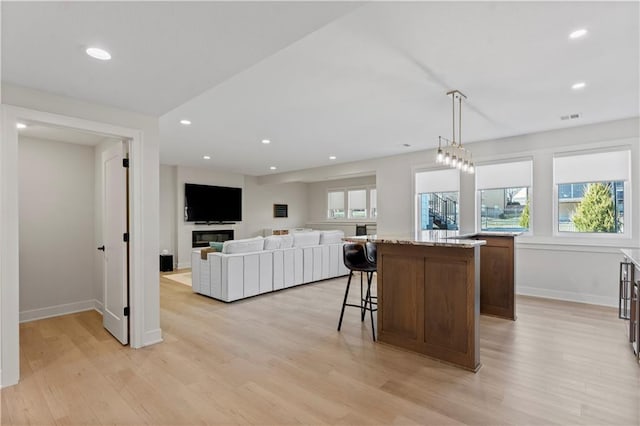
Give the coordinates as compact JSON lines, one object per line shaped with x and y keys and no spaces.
{"x":216,"y":246}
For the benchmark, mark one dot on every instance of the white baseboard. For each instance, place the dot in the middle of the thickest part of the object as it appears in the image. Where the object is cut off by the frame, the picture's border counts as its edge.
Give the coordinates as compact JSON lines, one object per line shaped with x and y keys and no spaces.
{"x":184,"y":265}
{"x":55,"y":311}
{"x":568,"y":296}
{"x":152,"y":337}
{"x":98,"y":306}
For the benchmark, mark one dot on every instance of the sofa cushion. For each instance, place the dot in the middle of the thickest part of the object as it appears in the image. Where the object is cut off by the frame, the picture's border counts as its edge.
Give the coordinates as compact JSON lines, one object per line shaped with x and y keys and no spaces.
{"x":331,"y":237}
{"x":305,"y":239}
{"x":243,"y":246}
{"x":275,"y":242}
{"x":287,"y":241}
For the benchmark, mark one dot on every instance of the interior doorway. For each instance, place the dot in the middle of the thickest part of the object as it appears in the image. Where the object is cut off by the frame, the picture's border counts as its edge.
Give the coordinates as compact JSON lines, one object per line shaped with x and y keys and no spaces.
{"x":10,"y":220}
{"x":73,"y":196}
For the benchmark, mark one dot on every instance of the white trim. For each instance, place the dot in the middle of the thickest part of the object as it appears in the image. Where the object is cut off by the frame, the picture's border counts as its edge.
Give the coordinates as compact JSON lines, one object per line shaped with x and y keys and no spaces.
{"x":9,"y":220}
{"x":98,"y":306}
{"x":587,"y":248}
{"x":152,"y":337}
{"x":567,"y":296}
{"x":9,"y":251}
{"x":184,"y":265}
{"x":57,"y":310}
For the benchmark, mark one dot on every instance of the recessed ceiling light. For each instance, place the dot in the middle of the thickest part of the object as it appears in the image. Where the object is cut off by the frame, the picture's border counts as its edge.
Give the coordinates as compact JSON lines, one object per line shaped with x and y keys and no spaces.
{"x":266,"y":141}
{"x":98,"y":53}
{"x":333,"y":157}
{"x":21,"y":126}
{"x":579,"y":85}
{"x":185,"y":122}
{"x":272,"y":168}
{"x":578,"y":33}
{"x":206,"y":157}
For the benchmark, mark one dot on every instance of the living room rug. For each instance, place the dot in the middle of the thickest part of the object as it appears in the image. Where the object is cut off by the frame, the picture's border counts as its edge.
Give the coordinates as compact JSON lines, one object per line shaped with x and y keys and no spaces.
{"x":182,"y":278}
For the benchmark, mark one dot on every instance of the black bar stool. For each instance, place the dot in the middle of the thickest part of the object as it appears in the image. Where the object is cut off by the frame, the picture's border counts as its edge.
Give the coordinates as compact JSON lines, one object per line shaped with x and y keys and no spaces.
{"x":356,"y":259}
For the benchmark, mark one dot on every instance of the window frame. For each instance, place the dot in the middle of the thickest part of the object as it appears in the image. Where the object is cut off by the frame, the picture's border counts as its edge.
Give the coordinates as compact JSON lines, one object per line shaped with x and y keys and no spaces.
{"x":528,"y":232}
{"x":628,"y":204}
{"x":624,"y":235}
{"x":531,"y":191}
{"x":345,"y":193}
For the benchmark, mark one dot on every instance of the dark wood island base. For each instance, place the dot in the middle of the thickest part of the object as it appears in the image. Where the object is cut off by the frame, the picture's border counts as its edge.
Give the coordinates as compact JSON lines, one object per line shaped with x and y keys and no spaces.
{"x":429,"y":300}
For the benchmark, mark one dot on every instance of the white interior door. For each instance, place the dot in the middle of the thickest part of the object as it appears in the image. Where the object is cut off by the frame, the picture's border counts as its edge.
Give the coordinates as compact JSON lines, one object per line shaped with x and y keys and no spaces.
{"x":115,"y":228}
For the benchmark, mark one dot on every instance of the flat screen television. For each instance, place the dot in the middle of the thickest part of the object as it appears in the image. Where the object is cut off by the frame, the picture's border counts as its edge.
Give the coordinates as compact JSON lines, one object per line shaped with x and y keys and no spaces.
{"x":206,"y":203}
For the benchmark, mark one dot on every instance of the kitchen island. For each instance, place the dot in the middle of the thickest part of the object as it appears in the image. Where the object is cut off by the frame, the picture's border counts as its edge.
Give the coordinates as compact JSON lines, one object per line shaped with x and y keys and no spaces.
{"x":497,"y":273}
{"x":429,"y":295}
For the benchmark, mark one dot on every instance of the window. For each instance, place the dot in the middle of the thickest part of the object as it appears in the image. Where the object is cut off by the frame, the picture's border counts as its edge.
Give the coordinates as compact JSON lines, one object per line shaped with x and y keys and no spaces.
{"x":504,"y":209}
{"x":439,"y":210}
{"x":336,"y":205}
{"x":373,"y":203}
{"x":356,"y":203}
{"x":590,"y":192}
{"x":438,"y":199}
{"x":357,"y":199}
{"x":591,"y":207}
{"x":504,"y":196}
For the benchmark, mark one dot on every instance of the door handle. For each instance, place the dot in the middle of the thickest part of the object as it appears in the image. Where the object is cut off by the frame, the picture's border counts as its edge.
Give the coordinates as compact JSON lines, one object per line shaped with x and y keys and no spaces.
{"x":101,"y":248}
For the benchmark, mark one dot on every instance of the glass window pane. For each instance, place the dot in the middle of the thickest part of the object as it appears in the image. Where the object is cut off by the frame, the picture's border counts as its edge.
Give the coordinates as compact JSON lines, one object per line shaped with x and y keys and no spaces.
{"x":335,"y":205}
{"x":373,"y":203}
{"x":592,"y":207}
{"x":357,"y":203}
{"x":504,"y":209}
{"x":439,"y":210}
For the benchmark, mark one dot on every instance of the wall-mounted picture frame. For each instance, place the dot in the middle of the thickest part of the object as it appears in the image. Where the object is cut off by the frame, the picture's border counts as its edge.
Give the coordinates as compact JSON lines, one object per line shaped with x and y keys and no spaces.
{"x":280,"y":210}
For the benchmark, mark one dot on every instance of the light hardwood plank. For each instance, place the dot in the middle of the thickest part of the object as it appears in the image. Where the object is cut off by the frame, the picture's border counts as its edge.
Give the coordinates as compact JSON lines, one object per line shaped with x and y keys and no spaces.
{"x":278,"y":359}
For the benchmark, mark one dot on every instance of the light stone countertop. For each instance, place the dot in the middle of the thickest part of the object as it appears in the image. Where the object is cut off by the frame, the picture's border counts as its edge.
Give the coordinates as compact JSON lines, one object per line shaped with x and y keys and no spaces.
{"x":430,"y":239}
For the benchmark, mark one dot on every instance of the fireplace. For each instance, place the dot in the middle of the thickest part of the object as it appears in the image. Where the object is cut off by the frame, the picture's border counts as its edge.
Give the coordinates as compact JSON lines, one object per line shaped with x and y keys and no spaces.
{"x":203,"y":238}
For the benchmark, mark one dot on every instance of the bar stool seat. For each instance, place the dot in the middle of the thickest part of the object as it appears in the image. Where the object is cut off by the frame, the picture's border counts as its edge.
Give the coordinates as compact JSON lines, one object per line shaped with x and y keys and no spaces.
{"x":356,"y":259}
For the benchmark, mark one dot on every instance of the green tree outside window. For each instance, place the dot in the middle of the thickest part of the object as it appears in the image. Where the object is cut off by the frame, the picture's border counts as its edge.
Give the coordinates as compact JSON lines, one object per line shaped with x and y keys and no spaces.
{"x":596,"y":211}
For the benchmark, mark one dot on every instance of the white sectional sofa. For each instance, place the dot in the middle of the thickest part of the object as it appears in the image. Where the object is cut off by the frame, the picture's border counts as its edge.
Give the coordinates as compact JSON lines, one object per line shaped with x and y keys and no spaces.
{"x":258,"y":265}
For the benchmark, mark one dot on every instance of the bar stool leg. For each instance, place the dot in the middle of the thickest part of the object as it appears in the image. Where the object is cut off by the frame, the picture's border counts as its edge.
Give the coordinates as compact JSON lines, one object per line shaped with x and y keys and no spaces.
{"x":363,"y":303}
{"x":344,"y":302}
{"x":368,"y":299}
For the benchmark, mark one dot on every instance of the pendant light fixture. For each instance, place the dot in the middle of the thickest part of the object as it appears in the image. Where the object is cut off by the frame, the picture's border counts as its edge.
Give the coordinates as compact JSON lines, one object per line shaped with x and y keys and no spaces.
{"x":453,"y":154}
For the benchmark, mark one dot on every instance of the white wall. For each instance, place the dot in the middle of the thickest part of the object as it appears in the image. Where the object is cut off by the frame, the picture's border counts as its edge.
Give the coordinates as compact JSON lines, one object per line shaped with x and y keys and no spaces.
{"x":183,"y":229}
{"x":56,"y":207}
{"x":144,"y":175}
{"x":318,"y":195}
{"x":168,"y":203}
{"x":318,"y":205}
{"x":257,"y":207}
{"x":571,"y":268}
{"x":260,"y":198}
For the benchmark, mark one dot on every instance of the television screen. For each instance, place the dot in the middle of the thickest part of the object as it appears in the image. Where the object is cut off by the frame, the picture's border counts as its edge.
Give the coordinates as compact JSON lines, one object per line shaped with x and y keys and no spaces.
{"x":205,"y":203}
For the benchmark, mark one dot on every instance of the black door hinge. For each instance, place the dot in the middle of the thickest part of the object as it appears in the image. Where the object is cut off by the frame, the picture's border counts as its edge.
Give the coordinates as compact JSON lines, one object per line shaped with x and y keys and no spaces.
{"x":126,"y":311}
{"x":125,"y":237}
{"x":125,"y":162}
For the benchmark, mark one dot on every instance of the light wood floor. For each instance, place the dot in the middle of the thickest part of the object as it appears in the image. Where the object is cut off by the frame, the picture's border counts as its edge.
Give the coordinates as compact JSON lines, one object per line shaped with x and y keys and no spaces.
{"x":278,"y":359}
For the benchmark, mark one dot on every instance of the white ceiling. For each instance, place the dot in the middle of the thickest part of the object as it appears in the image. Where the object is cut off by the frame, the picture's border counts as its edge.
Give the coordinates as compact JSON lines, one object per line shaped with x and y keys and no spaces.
{"x":353,"y":80}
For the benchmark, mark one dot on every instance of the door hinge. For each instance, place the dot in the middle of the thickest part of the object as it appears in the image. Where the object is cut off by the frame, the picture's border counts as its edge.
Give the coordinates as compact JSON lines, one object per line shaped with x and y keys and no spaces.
{"x":125,"y":162}
{"x":126,"y":311}
{"x":125,"y":237}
